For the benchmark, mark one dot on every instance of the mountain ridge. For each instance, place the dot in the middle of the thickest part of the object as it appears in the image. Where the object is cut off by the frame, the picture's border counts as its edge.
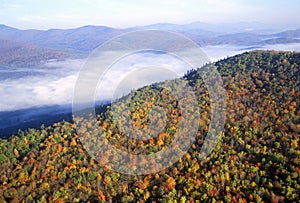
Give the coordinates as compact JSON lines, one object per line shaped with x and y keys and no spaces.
{"x":79,"y":42}
{"x":91,"y":34}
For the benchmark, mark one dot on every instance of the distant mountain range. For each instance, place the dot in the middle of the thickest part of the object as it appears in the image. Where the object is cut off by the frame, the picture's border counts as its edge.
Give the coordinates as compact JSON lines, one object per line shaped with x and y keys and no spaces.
{"x":30,"y":47}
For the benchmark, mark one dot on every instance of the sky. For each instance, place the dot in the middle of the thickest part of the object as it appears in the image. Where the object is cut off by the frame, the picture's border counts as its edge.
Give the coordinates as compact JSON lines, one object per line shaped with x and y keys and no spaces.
{"x":36,"y":14}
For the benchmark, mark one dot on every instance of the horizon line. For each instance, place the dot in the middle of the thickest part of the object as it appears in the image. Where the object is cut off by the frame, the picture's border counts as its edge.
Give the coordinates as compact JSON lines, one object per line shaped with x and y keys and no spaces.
{"x":265,"y":26}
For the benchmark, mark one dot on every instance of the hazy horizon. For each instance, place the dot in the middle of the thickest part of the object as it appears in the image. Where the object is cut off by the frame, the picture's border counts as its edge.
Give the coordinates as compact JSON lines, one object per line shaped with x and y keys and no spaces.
{"x":32,"y":14}
{"x":260,"y":26}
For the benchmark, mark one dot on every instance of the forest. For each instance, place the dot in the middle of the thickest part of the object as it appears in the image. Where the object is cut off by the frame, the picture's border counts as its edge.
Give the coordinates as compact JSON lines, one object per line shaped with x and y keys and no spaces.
{"x":257,"y":157}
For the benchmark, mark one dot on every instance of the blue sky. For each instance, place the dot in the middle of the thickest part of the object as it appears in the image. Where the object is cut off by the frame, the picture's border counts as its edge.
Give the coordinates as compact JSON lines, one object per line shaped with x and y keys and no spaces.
{"x":126,"y":13}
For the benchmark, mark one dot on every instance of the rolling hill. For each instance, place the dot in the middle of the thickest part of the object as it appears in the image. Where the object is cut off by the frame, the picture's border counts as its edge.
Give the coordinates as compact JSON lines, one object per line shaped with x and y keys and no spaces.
{"x":17,"y":54}
{"x":257,"y":158}
{"x":78,"y":40}
{"x":33,"y":47}
{"x":81,"y":41}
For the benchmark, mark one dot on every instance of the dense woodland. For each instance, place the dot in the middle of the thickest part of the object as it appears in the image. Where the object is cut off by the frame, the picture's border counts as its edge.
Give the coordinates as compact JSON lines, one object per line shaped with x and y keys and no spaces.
{"x":257,"y":158}
{"x":16,"y":54}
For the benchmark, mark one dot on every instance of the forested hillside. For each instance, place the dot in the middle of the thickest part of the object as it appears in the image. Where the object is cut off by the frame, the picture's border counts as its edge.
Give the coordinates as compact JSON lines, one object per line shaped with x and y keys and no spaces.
{"x":256,"y":160}
{"x":16,"y":54}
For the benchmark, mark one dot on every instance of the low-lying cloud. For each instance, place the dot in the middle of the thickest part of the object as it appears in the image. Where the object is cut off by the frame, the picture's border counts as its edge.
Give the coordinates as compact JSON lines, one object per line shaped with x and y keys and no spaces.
{"x":53,"y":83}
{"x":49,"y":84}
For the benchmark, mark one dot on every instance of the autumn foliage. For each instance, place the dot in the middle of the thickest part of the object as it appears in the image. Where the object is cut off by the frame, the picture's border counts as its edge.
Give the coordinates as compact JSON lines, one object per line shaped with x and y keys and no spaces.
{"x":256,"y":160}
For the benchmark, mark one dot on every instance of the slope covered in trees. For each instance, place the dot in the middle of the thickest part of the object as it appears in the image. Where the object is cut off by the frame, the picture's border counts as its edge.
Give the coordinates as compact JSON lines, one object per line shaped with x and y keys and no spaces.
{"x":256,"y":159}
{"x":17,"y":54}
